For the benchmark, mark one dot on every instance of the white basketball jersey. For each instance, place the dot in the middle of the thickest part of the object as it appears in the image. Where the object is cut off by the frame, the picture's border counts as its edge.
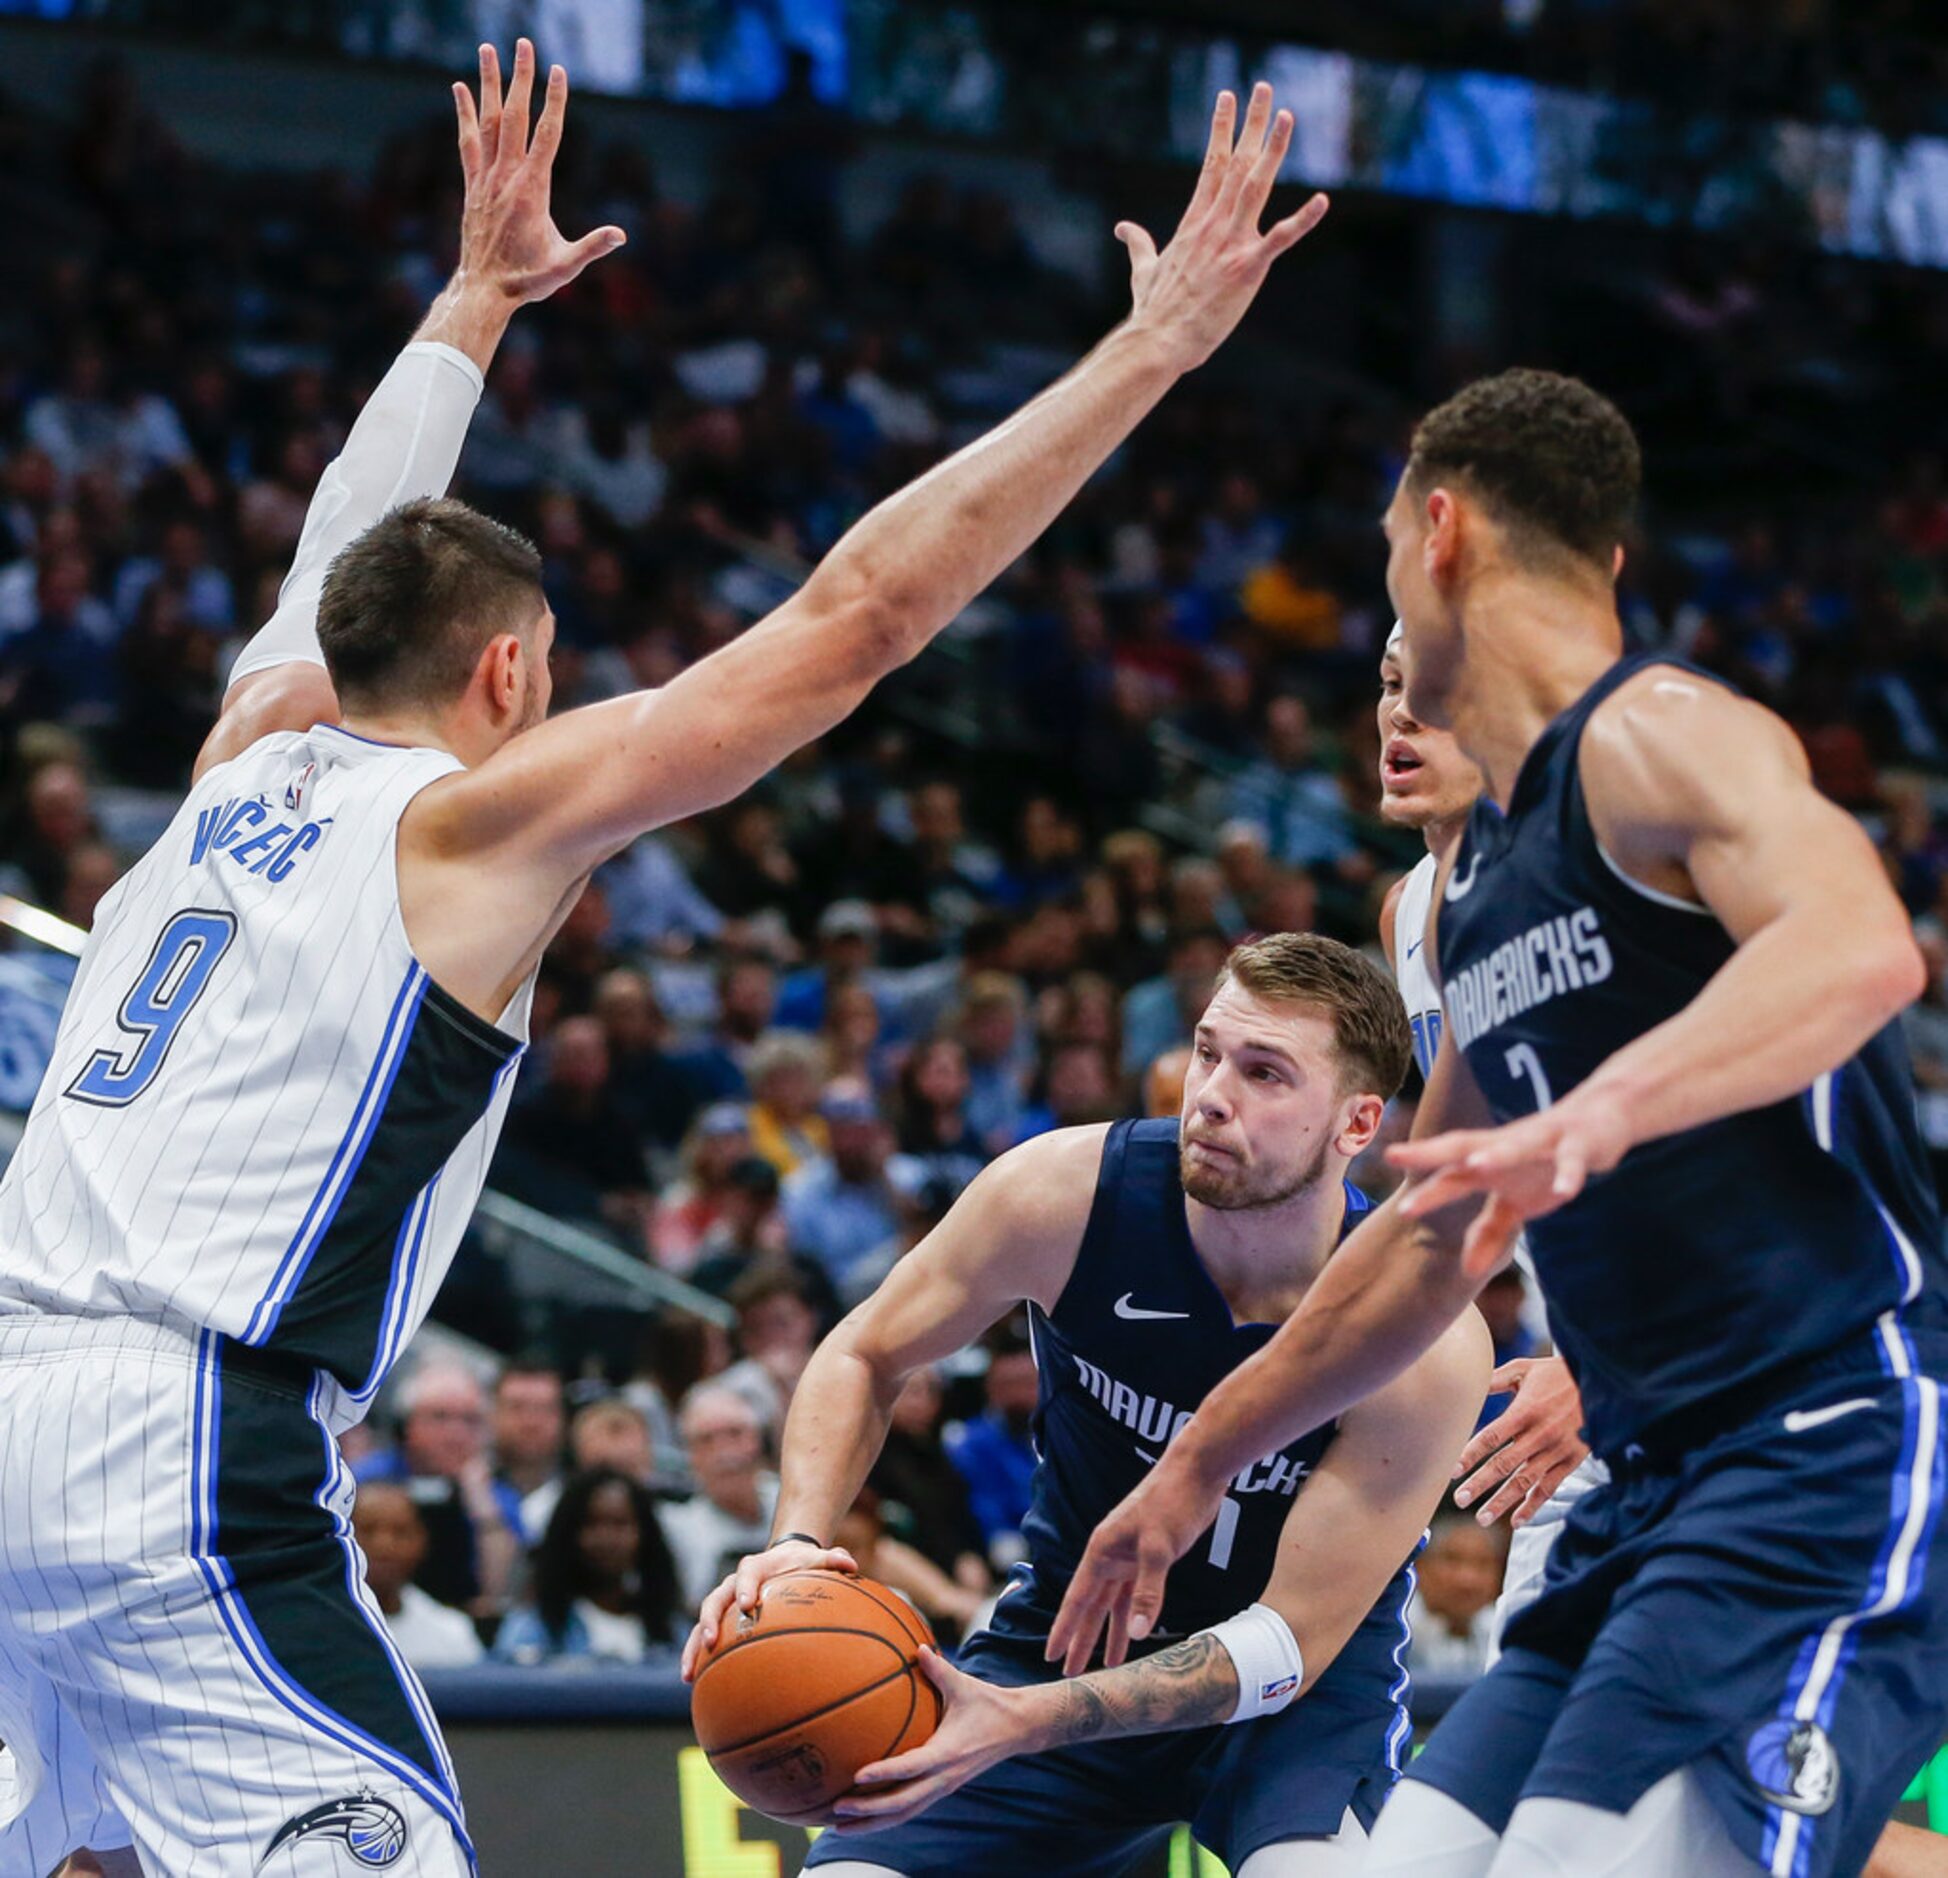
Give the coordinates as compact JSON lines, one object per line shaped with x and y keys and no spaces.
{"x":1411,"y":969}
{"x":261,"y":1116}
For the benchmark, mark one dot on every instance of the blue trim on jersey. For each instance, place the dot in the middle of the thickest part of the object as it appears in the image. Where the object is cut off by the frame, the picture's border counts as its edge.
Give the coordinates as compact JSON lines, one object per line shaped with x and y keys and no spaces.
{"x":412,"y":1235}
{"x":235,"y":1615}
{"x":1401,"y":1694}
{"x":1821,"y":1665}
{"x":350,"y":1153}
{"x":335,"y":1479}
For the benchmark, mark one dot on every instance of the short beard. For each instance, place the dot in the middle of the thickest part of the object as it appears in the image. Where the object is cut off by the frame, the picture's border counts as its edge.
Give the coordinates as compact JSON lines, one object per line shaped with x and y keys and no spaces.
{"x":1228,"y":1192}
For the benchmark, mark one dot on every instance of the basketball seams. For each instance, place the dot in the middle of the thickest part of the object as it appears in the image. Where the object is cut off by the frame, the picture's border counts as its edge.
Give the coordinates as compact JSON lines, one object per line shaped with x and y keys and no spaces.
{"x":794,"y":1630}
{"x":819,"y":1714}
{"x":901,"y":1612}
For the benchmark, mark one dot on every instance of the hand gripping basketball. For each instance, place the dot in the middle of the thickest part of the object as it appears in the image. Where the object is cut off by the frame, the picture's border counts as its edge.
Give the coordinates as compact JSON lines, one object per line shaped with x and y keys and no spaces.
{"x":744,"y":1588}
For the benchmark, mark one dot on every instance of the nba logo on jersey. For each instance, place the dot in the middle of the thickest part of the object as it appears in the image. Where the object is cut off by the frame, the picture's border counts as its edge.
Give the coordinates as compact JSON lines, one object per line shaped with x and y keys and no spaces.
{"x":296,"y":790}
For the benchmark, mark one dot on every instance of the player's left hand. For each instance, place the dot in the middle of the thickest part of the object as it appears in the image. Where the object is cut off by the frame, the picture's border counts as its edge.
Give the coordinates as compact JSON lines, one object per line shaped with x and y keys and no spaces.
{"x":1527,"y":1168}
{"x":980,"y":1725}
{"x":508,"y":237}
{"x":1529,"y":1449}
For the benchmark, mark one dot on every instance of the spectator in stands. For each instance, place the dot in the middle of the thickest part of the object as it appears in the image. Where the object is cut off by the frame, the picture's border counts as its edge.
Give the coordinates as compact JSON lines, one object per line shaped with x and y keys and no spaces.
{"x":848,"y":939}
{"x":851,"y":1035}
{"x":60,"y":665}
{"x":934,"y":1128}
{"x":777,"y":1326}
{"x":605,"y":1587}
{"x":391,"y":1534}
{"x":528,"y":1427}
{"x":653,"y":903}
{"x":56,"y":820}
{"x":747,"y":1000}
{"x":649,"y":1084}
{"x":1163,"y":1083}
{"x":1290,"y":794}
{"x":1077,"y":1087}
{"x":1452,"y":1612}
{"x":996,"y":1454}
{"x":786,"y":1069}
{"x":676,"y":1352}
{"x":573,"y":1144}
{"x":751,"y":1237}
{"x":1000,"y":1053}
{"x":441,"y":1460}
{"x":730,"y":1512}
{"x":681,"y":1223}
{"x":951,"y":1607}
{"x":1160,"y":1013}
{"x":841,"y":1210}
{"x":612,"y":1433}
{"x":923,"y":1496}
{"x":93,"y":868}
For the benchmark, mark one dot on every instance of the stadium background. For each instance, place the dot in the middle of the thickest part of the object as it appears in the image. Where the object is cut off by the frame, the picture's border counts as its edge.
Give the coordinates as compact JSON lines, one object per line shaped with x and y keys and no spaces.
{"x":859,"y":232}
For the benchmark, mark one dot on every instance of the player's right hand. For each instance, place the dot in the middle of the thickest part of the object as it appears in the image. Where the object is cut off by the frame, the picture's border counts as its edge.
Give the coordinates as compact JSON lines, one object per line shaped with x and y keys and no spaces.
{"x":508,"y":237}
{"x":743,"y":1589}
{"x":1196,"y":290}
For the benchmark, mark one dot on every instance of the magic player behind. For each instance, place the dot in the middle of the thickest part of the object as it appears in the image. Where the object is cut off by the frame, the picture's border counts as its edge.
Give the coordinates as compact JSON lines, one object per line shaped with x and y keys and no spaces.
{"x":1154,"y":1257}
{"x":1531,"y":1462}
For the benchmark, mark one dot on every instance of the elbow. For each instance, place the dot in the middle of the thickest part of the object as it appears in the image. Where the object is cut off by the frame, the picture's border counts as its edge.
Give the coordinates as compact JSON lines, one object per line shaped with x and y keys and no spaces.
{"x":879,"y":636}
{"x":1900,"y":975}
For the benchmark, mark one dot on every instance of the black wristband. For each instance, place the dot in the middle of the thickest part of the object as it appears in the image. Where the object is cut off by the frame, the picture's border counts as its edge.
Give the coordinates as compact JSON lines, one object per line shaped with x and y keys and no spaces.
{"x":803,"y":1538}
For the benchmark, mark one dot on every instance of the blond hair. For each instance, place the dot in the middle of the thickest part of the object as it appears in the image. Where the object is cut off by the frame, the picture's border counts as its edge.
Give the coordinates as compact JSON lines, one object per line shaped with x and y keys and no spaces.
{"x":1369,"y":1022}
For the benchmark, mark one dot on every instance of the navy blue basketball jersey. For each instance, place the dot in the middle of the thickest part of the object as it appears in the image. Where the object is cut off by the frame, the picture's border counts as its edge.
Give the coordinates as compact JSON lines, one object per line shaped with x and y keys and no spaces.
{"x":1139,"y":1336}
{"x":1709,"y":1260}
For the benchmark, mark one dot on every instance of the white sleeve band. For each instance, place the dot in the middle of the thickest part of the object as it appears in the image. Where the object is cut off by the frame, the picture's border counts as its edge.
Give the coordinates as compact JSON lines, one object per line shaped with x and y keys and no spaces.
{"x":404,"y":445}
{"x":1266,"y":1656}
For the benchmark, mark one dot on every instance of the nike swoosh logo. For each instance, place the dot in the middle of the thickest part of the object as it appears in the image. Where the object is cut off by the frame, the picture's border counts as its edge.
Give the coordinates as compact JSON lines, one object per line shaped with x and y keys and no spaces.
{"x":1459,"y":886}
{"x":1799,"y":1420}
{"x":1415,"y":947}
{"x":1148,"y":1459}
{"x":1137,"y":1314}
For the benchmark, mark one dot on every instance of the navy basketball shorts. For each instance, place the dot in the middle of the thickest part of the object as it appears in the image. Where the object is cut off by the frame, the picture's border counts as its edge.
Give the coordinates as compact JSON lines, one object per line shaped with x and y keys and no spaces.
{"x":1089,"y":1811}
{"x":189,"y":1657}
{"x":1770,"y":1610}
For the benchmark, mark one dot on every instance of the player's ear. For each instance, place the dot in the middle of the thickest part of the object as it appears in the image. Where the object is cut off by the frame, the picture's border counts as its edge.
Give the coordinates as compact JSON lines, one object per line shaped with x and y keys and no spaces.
{"x":501,"y":667}
{"x":1360,"y":1121}
{"x":1441,"y":543}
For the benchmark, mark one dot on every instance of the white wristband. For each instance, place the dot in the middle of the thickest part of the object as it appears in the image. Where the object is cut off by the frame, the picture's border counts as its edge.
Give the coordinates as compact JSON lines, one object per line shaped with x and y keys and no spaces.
{"x":1266,"y":1656}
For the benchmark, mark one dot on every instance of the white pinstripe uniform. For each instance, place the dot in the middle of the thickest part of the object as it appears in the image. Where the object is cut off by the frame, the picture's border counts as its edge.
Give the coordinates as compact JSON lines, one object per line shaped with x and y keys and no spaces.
{"x":1528,"y":1546}
{"x":260,"y":1139}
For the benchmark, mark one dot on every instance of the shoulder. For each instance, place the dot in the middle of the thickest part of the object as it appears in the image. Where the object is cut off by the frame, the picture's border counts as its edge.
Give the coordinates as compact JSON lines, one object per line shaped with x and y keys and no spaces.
{"x":1048,"y":1179}
{"x":1667,"y":742}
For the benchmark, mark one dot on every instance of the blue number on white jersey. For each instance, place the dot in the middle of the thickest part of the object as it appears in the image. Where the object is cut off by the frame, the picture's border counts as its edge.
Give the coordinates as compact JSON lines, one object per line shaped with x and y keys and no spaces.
{"x":186,"y":953}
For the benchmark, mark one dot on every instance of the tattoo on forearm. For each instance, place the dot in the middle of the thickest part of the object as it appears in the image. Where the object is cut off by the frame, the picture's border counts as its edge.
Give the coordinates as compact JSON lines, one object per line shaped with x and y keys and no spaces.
{"x":1190,"y":1685}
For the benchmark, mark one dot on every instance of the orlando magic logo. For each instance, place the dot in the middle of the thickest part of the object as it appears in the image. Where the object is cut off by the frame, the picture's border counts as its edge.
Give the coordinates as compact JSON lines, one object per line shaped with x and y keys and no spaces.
{"x":371,"y":1830}
{"x":1793,"y":1764}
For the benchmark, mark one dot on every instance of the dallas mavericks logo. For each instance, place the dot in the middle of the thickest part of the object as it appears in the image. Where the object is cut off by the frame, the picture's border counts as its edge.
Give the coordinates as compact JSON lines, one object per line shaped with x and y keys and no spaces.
{"x":372,"y":1831}
{"x":1793,"y":1764}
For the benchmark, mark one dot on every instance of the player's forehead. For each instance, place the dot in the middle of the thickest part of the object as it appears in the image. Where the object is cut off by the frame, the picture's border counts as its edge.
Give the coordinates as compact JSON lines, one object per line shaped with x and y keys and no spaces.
{"x":1239,"y":1019}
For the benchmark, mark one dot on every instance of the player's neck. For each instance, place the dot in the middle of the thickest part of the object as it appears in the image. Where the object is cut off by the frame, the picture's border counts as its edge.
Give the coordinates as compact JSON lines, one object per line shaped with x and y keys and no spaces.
{"x":1533,"y":649}
{"x":1443,"y":838}
{"x":1263,"y":1258}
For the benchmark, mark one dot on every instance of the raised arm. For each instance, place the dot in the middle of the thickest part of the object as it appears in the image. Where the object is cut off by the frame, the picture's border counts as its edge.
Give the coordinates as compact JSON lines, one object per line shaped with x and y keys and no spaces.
{"x":561,"y":798}
{"x":1701,"y":795}
{"x":1355,"y":1521}
{"x":409,"y":436}
{"x":1012,"y":1236}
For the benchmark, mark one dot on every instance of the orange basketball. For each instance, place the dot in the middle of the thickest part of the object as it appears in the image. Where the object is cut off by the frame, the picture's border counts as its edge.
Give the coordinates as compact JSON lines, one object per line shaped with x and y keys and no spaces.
{"x":821,"y":1679}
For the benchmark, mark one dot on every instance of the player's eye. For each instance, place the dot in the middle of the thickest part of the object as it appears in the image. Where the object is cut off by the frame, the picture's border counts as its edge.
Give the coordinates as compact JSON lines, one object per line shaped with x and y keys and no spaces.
{"x":1265,"y":1074}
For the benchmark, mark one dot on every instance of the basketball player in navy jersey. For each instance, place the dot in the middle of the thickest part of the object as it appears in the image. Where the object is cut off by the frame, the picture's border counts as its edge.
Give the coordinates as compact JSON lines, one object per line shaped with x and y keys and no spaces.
{"x":1154,"y":1257}
{"x":1671,"y":971}
{"x":291,"y":1043}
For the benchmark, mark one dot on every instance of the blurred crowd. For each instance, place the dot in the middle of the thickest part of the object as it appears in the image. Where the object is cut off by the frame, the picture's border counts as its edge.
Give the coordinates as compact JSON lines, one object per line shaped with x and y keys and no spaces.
{"x":773,"y":1045}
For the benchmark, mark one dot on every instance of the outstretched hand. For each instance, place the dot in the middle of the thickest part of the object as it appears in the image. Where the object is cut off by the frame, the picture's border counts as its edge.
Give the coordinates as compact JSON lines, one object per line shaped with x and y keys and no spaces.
{"x":1514,"y":1464}
{"x":1197,"y":288}
{"x":508,"y":236}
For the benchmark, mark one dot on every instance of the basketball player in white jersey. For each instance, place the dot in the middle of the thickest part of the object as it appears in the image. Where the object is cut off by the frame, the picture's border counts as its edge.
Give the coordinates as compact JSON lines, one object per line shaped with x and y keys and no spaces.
{"x":1531,"y":1461}
{"x":282,"y":1071}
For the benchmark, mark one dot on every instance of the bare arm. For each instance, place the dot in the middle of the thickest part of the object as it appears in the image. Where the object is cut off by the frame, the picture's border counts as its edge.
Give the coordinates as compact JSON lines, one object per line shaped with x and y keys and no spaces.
{"x":1703,"y":795}
{"x":408,"y":438}
{"x":1354,"y":1522}
{"x":556,"y":801}
{"x":1013,"y":1235}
